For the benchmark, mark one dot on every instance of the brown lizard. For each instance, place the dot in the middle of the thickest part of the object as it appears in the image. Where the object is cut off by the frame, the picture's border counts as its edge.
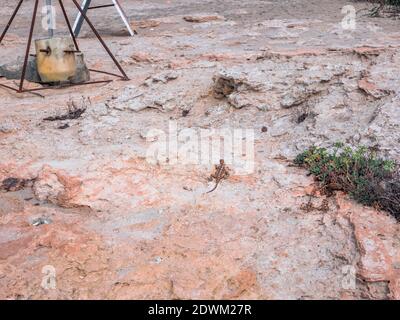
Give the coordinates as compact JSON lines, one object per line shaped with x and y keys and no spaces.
{"x":221,"y":172}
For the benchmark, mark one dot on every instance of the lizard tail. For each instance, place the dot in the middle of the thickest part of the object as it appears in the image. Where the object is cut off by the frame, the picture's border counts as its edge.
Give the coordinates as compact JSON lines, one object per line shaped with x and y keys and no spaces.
{"x":212,"y":189}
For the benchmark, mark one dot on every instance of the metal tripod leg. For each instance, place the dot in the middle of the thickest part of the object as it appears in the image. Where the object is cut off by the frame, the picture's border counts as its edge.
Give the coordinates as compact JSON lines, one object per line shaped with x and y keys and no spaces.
{"x":10,"y":21}
{"x":123,"y":17}
{"x":68,"y":24}
{"x":85,"y":6}
{"x":124,"y":76}
{"x":79,"y":19}
{"x":28,"y":47}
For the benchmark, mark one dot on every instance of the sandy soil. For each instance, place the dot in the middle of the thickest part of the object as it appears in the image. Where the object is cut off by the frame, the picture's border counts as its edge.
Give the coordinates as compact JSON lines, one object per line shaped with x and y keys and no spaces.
{"x":123,"y":227}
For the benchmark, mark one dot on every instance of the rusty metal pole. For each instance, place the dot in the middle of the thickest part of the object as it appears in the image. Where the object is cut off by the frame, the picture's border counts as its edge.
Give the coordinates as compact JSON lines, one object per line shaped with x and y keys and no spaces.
{"x":28,"y":47}
{"x":79,"y":19}
{"x":11,"y":20}
{"x":101,"y":40}
{"x":68,"y":24}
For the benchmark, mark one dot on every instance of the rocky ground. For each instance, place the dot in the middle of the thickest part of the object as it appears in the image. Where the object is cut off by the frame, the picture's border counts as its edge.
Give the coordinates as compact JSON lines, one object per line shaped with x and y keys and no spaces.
{"x":81,"y":196}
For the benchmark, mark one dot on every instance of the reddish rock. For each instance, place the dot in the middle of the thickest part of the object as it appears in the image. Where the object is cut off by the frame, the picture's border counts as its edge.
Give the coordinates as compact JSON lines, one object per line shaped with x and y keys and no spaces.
{"x":143,"y":24}
{"x":199,"y":18}
{"x":142,"y":57}
{"x":57,"y":187}
{"x":365,"y":50}
{"x":370,"y":88}
{"x":299,"y":52}
{"x":376,"y":233}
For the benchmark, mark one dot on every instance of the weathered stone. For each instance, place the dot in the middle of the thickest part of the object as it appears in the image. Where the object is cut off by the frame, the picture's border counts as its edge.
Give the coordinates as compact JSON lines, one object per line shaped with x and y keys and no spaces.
{"x":40,"y":221}
{"x":374,"y":232}
{"x":199,"y":18}
{"x":295,"y":98}
{"x":82,"y":72}
{"x":165,"y":77}
{"x":371,"y":89}
{"x":238,"y":89}
{"x":8,"y":126}
{"x":137,"y":104}
{"x":13,"y":70}
{"x":223,"y":86}
{"x":56,"y":186}
{"x":142,"y":57}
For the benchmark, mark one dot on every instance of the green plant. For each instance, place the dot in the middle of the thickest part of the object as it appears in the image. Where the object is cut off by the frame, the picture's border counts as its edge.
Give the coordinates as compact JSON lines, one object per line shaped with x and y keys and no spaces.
{"x":392,"y":2}
{"x":359,"y":172}
{"x":391,"y":7}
